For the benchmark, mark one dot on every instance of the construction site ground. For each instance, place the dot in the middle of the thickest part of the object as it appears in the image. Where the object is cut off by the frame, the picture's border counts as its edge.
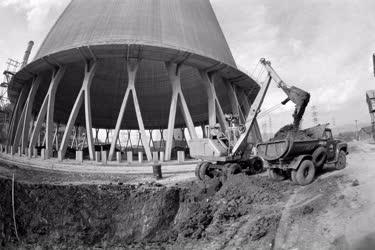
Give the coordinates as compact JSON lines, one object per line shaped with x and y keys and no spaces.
{"x":72,"y":209}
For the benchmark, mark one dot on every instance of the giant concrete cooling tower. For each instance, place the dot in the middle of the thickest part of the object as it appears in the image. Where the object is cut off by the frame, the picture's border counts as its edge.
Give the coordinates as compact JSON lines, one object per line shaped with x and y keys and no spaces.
{"x":125,"y":64}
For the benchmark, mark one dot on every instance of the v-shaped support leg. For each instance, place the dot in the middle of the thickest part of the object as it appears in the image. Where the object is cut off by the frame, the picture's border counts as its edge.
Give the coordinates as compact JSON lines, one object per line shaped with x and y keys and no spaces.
{"x":132,"y":67}
{"x":84,"y":95}
{"x":47,"y":110}
{"x":177,"y":98}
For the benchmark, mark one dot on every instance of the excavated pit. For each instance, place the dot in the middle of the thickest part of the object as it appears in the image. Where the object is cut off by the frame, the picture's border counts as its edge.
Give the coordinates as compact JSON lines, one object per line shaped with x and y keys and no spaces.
{"x":190,"y":215}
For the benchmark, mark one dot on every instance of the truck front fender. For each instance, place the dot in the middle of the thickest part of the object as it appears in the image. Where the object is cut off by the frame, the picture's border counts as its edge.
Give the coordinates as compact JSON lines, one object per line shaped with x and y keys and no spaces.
{"x":294,"y":164}
{"x":341,"y":146}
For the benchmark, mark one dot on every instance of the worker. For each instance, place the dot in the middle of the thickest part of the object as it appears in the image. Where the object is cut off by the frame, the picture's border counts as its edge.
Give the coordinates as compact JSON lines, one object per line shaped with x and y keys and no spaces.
{"x":299,"y":97}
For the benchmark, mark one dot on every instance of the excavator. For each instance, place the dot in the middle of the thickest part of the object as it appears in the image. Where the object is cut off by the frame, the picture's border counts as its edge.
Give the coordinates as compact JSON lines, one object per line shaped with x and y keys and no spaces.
{"x":225,"y":153}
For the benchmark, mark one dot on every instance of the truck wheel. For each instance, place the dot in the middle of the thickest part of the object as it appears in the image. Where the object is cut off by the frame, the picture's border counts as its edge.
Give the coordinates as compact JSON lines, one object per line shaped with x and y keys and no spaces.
{"x":305,"y":173}
{"x":276,"y":174}
{"x":234,"y":168}
{"x":256,"y":166}
{"x":197,"y":170}
{"x":203,"y":171}
{"x":341,"y":160}
{"x":319,"y":157}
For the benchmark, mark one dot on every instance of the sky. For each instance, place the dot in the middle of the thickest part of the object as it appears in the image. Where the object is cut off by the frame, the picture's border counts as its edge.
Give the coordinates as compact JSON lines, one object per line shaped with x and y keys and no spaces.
{"x":322,"y":46}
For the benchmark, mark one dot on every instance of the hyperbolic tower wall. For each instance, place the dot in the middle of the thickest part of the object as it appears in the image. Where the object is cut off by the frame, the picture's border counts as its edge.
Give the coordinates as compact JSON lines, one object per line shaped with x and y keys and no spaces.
{"x":125,"y":64}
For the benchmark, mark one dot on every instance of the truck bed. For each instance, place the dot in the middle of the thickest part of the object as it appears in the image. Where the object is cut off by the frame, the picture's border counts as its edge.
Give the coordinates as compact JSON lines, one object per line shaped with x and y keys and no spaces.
{"x":286,"y":149}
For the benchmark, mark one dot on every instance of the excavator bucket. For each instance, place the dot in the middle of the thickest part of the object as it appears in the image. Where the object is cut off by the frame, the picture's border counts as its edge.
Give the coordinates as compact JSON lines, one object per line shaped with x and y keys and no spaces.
{"x":300,"y":98}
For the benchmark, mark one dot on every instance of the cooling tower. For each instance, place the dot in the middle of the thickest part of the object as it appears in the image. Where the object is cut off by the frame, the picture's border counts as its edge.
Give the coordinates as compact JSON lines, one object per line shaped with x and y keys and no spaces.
{"x":125,"y":64}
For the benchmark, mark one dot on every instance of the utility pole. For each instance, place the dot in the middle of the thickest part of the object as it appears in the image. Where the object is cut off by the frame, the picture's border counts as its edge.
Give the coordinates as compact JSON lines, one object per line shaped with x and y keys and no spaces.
{"x":315,"y":115}
{"x":356,"y":130}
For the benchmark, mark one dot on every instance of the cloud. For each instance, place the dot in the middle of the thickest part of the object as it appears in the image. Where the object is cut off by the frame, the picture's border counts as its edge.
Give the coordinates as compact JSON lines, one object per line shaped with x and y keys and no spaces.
{"x":322,"y":46}
{"x":37,"y":11}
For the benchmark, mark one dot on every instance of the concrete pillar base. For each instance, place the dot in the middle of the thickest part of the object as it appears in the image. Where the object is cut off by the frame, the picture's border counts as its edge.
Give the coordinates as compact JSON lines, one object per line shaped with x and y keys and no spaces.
{"x":60,"y":157}
{"x":181,"y":156}
{"x":104,"y":157}
{"x":35,"y":152}
{"x":129,"y":157}
{"x":118,"y":157}
{"x":140,"y":157}
{"x":79,"y":156}
{"x":43,"y":154}
{"x":97,"y":156}
{"x":162,"y":156}
{"x":29,"y":153}
{"x":155,"y":156}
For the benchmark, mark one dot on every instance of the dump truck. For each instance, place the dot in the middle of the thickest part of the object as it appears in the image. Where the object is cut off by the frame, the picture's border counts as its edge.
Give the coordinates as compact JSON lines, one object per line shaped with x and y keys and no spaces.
{"x":222,"y":155}
{"x":300,"y":157}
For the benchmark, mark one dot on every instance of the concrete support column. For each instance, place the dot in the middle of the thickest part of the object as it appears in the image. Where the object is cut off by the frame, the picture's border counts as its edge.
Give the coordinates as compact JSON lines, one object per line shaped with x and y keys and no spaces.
{"x":47,"y":110}
{"x":132,"y":68}
{"x":215,"y":112}
{"x":28,"y":116}
{"x":56,"y":137}
{"x":177,"y":98}
{"x":14,"y":121}
{"x":84,"y":95}
{"x":236,"y":108}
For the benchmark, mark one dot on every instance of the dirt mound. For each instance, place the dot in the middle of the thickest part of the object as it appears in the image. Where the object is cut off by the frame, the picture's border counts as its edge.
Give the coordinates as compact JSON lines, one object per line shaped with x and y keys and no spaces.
{"x":144,"y":215}
{"x":290,"y":131}
{"x":247,"y":203}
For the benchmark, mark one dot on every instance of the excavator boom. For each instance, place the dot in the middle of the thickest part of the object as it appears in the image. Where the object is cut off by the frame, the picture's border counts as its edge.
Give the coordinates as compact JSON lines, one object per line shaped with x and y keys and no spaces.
{"x":298,"y":96}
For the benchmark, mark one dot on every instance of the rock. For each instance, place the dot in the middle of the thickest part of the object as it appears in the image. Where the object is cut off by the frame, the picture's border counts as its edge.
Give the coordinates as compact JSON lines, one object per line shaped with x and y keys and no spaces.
{"x":355,"y":183}
{"x":307,"y":210}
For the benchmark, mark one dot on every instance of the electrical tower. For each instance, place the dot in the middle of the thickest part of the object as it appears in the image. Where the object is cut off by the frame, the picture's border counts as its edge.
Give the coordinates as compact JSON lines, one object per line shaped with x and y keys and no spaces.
{"x":11,"y":69}
{"x":315,"y":115}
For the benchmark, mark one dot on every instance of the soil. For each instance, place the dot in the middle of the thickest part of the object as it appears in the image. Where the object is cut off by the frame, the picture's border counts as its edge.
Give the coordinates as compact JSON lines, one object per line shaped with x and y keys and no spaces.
{"x":290,"y":131}
{"x":110,"y":216}
{"x":245,"y":212}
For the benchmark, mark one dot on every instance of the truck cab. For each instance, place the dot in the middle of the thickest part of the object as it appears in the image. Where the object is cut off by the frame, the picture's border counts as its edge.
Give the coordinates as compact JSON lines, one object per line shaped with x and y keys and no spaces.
{"x":299,"y":159}
{"x":331,"y":144}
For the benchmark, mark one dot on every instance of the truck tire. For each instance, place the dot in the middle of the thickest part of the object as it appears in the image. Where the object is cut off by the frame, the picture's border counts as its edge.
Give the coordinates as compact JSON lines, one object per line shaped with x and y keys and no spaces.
{"x":234,"y":169}
{"x":256,"y":165}
{"x":197,"y":170}
{"x":203,"y":171}
{"x":341,"y":160}
{"x":305,"y":173}
{"x":276,"y":174}
{"x":319,"y":157}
